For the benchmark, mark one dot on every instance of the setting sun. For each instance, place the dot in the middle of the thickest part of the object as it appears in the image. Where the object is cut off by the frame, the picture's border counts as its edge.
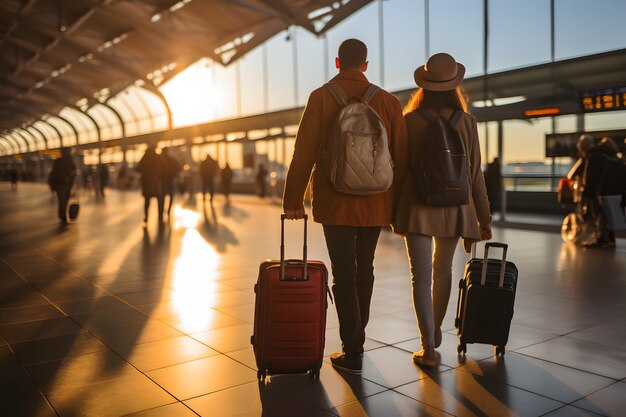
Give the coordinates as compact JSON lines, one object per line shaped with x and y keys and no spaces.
{"x":193,"y":95}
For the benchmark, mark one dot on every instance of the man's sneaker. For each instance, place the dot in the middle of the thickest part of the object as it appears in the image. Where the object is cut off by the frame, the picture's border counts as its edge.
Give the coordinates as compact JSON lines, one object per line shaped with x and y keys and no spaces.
{"x":348,"y":363}
{"x":425,"y":357}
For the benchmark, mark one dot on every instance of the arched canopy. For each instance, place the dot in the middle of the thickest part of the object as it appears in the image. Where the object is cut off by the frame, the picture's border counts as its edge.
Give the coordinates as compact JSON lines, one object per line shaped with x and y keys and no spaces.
{"x":87,"y":51}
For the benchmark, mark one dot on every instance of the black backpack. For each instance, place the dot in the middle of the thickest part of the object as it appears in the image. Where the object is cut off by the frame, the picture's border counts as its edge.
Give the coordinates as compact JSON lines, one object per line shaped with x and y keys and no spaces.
{"x":439,"y":162}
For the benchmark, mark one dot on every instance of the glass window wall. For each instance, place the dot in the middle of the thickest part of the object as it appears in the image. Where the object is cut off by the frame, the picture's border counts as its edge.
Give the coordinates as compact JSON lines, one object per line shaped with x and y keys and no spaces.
{"x":362,"y":25}
{"x":312,"y":63}
{"x":51,"y":134}
{"x":519,"y":34}
{"x":588,"y":27}
{"x":86,"y":129}
{"x":252,"y":78}
{"x":404,"y":42}
{"x":281,"y":88}
{"x":456,"y":27}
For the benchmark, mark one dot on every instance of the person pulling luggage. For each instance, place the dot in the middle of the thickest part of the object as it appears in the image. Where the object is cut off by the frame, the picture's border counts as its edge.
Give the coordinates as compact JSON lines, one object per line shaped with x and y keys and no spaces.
{"x":352,"y":218}
{"x":443,"y":196}
{"x":61,"y":179}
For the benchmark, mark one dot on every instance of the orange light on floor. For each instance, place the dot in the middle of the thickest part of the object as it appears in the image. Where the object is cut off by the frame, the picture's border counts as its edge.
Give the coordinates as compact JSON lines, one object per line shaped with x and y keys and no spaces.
{"x":548,"y":111}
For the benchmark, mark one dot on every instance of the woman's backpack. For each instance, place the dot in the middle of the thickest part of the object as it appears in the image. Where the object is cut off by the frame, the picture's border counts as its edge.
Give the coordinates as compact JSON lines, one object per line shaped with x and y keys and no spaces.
{"x":439,"y":163}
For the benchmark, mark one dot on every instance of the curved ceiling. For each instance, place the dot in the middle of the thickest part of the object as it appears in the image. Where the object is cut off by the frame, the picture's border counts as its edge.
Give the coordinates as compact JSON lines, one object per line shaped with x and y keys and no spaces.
{"x":76,"y":53}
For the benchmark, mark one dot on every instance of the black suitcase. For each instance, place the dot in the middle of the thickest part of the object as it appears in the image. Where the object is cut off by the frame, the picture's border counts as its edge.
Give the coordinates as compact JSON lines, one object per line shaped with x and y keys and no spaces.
{"x":486,"y":298}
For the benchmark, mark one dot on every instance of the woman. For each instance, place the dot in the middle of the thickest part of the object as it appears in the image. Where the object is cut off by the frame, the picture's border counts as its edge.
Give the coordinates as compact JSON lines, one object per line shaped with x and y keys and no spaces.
{"x":419,"y":223}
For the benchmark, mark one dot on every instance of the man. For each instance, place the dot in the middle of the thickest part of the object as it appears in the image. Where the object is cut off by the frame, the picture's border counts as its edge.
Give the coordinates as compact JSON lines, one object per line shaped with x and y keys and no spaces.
{"x":171,"y":167}
{"x":208,"y":170}
{"x":61,"y":180}
{"x":352,"y":223}
{"x":151,"y":169}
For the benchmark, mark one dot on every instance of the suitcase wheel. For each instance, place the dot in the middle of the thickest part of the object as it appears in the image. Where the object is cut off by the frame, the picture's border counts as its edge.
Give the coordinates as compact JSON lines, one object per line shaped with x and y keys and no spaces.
{"x":461,"y":348}
{"x":499,"y":351}
{"x":314,"y":373}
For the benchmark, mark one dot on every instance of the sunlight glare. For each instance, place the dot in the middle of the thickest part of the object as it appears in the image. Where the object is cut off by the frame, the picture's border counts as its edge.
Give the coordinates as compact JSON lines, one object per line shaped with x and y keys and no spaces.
{"x":186,"y":219}
{"x":193,"y":95}
{"x":194,"y":284}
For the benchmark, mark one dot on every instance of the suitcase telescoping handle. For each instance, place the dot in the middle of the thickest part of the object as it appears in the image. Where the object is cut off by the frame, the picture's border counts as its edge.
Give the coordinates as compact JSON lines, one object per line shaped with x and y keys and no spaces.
{"x":282,"y":248}
{"x":505,"y":248}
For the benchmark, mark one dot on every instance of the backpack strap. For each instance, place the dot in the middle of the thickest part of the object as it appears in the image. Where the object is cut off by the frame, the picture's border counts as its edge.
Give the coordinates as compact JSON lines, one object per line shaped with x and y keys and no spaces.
{"x":370,"y":93}
{"x":454,"y":119}
{"x":338,"y":94}
{"x":427,"y":114}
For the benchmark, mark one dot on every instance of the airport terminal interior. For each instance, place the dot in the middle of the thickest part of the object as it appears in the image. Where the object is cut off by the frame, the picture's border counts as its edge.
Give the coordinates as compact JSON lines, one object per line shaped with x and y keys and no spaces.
{"x":113,"y":315}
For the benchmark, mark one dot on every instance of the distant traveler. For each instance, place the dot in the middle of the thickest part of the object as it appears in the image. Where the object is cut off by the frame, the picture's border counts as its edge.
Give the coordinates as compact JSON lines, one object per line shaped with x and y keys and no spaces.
{"x":208,"y":171}
{"x":493,"y":183}
{"x":103,"y":178}
{"x":88,"y":178}
{"x":261,"y":177}
{"x":352,"y":223}
{"x":226,"y":181}
{"x":169,"y":175}
{"x":440,"y":93}
{"x":13,"y":178}
{"x":603,"y":187}
{"x":61,"y":180}
{"x":151,"y":167}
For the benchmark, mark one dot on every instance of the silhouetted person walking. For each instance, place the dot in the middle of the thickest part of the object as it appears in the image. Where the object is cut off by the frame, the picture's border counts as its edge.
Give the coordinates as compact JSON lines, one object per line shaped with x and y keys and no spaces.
{"x":603,"y":184}
{"x":61,"y":180}
{"x":150,"y":167}
{"x":171,"y":168}
{"x":13,"y":177}
{"x":226,"y":181}
{"x":493,"y":183}
{"x":208,"y":171}
{"x":103,"y":178}
{"x":260,"y":180}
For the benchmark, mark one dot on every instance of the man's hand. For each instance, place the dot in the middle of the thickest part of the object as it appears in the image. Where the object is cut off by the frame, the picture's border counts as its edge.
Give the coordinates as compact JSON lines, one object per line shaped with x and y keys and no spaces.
{"x":294,"y":214}
{"x":485,"y":232}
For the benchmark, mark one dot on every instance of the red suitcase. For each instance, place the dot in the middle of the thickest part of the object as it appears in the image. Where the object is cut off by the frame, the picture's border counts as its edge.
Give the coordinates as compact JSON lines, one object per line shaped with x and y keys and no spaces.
{"x":290,"y":313}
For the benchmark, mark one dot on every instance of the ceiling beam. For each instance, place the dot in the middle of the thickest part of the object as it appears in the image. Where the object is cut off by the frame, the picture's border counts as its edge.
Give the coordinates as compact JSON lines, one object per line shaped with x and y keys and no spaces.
{"x":25,"y":9}
{"x":343,"y":12}
{"x":296,"y":14}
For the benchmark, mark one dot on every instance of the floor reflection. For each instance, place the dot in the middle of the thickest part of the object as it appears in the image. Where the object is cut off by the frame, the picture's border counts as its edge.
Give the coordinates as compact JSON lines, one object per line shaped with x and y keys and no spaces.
{"x":194,"y":273}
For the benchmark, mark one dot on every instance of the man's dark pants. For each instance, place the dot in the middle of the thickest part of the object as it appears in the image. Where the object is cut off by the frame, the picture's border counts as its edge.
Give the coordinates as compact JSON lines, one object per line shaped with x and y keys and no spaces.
{"x":351,"y":250}
{"x":63,"y":194}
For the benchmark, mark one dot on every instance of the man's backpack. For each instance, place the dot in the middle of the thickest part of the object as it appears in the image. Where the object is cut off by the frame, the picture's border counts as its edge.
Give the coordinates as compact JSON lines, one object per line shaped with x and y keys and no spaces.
{"x":439,"y":163}
{"x":356,"y":155}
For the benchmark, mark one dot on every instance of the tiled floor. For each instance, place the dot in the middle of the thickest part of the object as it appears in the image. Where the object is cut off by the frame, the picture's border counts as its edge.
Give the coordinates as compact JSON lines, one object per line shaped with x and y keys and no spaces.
{"x":107,"y":318}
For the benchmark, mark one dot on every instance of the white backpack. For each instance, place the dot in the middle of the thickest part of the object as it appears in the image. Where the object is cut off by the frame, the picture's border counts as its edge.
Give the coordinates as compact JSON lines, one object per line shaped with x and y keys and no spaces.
{"x":356,"y":155}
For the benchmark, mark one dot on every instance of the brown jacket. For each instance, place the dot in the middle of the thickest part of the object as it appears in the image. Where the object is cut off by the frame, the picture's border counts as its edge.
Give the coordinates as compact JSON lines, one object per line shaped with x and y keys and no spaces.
{"x":329,"y":206}
{"x":413,"y":216}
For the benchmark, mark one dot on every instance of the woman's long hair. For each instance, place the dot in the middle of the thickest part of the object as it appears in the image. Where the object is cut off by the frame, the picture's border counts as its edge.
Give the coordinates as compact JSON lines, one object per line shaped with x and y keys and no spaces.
{"x":435,"y":100}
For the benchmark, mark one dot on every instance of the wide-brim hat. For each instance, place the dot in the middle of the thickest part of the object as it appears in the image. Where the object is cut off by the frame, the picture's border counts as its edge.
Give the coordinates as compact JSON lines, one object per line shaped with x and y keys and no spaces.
{"x":441,"y":73}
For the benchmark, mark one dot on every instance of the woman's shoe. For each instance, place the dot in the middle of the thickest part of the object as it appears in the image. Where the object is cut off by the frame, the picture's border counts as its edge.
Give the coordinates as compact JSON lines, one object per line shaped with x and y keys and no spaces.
{"x":426,"y":356}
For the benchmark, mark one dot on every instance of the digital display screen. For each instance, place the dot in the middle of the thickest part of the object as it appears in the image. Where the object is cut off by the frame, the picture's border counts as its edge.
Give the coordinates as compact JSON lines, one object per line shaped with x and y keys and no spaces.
{"x":613,"y":99}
